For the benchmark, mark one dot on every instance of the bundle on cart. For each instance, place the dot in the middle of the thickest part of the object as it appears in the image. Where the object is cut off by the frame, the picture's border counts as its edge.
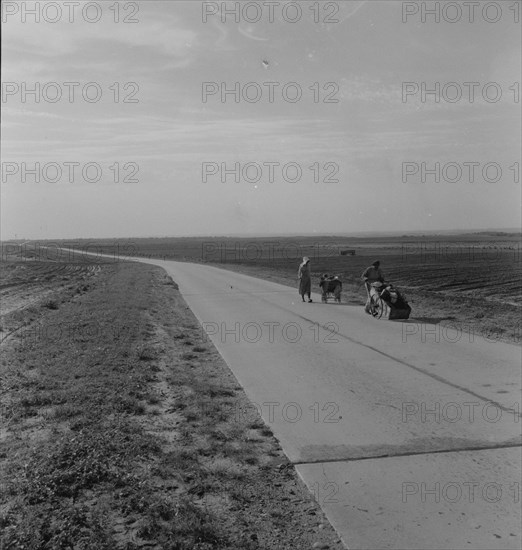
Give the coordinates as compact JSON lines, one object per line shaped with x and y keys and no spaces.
{"x":331,"y":287}
{"x":385,"y":300}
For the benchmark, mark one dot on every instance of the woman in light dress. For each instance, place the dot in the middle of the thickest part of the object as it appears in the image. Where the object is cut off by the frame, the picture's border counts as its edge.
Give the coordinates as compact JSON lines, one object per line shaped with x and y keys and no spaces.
{"x":305,"y":279}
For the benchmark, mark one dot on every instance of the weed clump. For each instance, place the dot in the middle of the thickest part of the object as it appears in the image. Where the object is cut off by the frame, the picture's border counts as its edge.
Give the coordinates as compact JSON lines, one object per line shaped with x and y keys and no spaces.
{"x":99,"y":453}
{"x":147,"y":353}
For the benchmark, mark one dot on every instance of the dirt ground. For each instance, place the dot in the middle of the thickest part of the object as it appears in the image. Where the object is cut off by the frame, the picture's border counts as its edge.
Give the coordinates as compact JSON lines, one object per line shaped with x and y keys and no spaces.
{"x":122,"y":427}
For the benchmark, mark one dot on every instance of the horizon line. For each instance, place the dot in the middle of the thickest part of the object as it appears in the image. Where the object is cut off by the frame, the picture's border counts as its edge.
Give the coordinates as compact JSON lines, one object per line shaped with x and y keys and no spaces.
{"x":449,"y":232}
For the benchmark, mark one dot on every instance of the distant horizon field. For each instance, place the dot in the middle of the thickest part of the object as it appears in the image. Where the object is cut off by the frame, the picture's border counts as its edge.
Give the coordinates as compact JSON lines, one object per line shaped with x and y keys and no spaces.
{"x":477,"y":250}
{"x":289,"y":247}
{"x":452,"y":249}
{"x":447,"y":233}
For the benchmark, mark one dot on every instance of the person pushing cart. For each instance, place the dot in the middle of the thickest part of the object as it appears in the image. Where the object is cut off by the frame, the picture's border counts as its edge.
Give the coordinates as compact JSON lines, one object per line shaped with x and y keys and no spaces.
{"x":372,"y":274}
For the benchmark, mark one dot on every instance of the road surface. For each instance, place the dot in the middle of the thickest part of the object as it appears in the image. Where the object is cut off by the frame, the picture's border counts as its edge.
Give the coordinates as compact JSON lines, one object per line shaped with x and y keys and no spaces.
{"x":408,"y":434}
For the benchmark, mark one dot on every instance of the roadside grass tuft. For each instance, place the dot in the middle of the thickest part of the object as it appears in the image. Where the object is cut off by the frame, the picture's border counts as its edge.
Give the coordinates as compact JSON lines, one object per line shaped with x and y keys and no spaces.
{"x":76,"y":527}
{"x":129,"y":405}
{"x":147,"y":353}
{"x":66,"y":411}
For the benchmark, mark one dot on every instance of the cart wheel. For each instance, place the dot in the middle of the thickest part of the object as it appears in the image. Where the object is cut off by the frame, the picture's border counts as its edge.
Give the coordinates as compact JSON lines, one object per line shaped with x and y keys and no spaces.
{"x":377,"y":306}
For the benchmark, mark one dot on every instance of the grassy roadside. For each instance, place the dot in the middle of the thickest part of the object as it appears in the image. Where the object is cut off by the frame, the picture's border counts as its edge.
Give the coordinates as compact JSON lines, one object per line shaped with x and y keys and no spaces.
{"x":123,"y":428}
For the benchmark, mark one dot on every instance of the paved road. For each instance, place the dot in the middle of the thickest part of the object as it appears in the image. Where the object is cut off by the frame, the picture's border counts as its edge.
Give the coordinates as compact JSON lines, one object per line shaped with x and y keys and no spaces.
{"x":409,"y":435}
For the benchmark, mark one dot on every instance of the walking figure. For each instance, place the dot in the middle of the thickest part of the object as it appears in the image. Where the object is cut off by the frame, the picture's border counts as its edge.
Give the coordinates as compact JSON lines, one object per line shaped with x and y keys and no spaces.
{"x":305,"y":279}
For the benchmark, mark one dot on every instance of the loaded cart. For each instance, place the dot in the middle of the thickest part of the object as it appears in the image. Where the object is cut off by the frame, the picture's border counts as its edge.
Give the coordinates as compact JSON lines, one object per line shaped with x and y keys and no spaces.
{"x":386,"y":300}
{"x":331,"y":288}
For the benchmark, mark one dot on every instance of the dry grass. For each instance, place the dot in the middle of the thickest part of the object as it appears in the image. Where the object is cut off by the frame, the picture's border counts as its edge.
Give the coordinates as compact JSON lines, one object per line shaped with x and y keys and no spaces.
{"x":118,"y":435}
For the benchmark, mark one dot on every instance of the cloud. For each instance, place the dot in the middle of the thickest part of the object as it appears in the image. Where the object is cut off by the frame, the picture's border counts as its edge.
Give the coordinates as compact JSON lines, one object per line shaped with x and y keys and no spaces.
{"x":249,"y":33}
{"x":165,"y":33}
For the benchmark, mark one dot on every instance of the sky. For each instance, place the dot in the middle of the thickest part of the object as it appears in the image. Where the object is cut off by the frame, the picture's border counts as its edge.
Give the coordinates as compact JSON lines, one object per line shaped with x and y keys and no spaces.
{"x":131,"y":132}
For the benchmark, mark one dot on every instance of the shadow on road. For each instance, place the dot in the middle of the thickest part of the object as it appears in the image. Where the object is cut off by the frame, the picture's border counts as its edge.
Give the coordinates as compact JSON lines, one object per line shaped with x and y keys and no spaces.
{"x":430,"y":320}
